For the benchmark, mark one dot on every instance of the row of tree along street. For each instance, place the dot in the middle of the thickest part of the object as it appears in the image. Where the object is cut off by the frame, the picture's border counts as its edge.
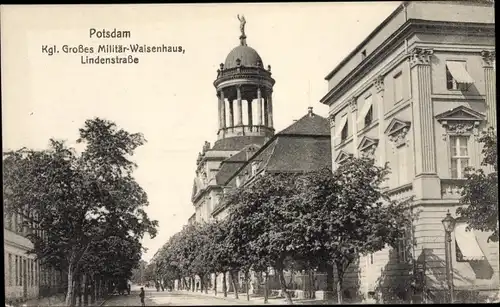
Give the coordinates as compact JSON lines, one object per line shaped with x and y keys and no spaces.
{"x":308,"y":221}
{"x":85,"y":211}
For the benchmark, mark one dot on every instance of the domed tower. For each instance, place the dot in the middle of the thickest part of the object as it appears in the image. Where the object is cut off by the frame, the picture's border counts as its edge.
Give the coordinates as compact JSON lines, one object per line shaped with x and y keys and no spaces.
{"x":244,"y":88}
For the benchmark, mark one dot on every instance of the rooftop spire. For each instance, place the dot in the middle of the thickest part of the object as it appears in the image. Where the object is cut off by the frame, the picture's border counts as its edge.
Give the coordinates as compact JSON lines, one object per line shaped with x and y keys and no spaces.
{"x":243,"y":37}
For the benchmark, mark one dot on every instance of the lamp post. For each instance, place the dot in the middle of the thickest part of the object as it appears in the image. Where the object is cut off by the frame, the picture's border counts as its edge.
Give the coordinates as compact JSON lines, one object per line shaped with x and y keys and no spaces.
{"x":449,"y":226}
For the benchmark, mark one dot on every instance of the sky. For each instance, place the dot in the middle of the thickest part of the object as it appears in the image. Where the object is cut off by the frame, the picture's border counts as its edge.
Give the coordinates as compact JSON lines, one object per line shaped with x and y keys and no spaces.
{"x":169,"y":97}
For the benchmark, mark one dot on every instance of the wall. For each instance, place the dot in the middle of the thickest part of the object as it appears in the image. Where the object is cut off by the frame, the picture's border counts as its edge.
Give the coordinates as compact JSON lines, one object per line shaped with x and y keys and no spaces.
{"x":430,"y":248}
{"x":435,"y":10}
{"x":374,"y":42}
{"x":455,"y":11}
{"x":17,"y":245}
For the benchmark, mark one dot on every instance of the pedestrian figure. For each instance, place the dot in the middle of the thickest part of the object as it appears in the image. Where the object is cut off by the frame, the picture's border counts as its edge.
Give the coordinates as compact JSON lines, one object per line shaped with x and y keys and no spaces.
{"x":141,"y":295}
{"x":129,"y":286}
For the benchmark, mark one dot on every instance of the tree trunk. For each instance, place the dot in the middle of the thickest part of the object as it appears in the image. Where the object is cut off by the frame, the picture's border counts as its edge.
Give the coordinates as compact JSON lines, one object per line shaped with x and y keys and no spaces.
{"x":215,"y":284}
{"x":340,"y":277}
{"x":75,"y":290}
{"x":235,"y":284}
{"x":311,"y":283}
{"x":266,"y":287}
{"x":281,"y":275}
{"x":193,"y":283}
{"x":85,"y":290}
{"x":247,"y":283}
{"x":207,"y":283}
{"x":70,"y":293}
{"x":329,"y":277}
{"x":79,"y":290}
{"x":224,"y":284}
{"x":94,"y":288}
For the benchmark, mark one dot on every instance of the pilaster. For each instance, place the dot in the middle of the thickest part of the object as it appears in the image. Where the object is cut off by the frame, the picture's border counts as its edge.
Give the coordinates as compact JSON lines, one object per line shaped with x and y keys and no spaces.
{"x":379,"y":101}
{"x":426,"y":183}
{"x":222,"y":110}
{"x":259,"y":107}
{"x":489,"y":58}
{"x":239,"y":121}
{"x":270,"y":108}
{"x":354,"y":116}
{"x":331,"y":119}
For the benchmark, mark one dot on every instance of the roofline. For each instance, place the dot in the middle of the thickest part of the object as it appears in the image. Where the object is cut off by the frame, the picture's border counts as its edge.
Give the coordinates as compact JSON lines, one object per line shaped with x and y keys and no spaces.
{"x":410,"y":26}
{"x":370,"y":36}
{"x":269,"y":142}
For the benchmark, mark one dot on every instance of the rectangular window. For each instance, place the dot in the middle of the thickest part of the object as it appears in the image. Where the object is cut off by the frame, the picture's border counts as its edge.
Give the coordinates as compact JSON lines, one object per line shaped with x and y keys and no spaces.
{"x":10,"y":221}
{"x":254,"y":168}
{"x":14,"y":222}
{"x":344,"y":133}
{"x":16,"y":271}
{"x":10,"y":270}
{"x":398,"y":87}
{"x":457,"y":77}
{"x":459,"y":156}
{"x":369,"y":117}
{"x":20,"y":223}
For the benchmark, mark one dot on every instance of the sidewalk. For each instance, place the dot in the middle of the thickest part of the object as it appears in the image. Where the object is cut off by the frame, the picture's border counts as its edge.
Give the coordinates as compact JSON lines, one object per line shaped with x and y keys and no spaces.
{"x":255,"y":300}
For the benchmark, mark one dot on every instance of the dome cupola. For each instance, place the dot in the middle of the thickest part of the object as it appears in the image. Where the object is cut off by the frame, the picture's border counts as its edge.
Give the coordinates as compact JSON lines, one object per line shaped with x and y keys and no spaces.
{"x":244,"y":88}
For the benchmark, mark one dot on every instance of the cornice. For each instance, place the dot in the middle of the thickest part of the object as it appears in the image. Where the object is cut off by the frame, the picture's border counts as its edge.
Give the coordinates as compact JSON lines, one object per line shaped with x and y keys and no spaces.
{"x":203,"y":191}
{"x":412,"y":26}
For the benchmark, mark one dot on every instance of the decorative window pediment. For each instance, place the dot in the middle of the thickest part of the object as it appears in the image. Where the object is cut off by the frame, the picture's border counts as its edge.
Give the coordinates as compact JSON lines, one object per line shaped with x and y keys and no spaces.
{"x":342,"y":156}
{"x":367,"y":145}
{"x":397,"y":131}
{"x":460,"y":120}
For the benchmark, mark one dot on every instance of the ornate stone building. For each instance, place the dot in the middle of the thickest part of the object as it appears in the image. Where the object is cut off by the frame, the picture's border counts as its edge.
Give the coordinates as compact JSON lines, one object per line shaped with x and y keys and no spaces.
{"x":416,"y":93}
{"x":247,"y":145}
{"x":244,"y":91}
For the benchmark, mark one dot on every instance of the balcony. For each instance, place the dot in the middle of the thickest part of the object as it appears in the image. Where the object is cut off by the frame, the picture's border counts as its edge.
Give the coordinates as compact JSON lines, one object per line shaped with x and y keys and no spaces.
{"x":401,"y":193}
{"x":451,"y":188}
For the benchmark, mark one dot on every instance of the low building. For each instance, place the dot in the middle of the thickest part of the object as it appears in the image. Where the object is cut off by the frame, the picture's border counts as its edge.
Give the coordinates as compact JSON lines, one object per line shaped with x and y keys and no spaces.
{"x":24,"y":277}
{"x":416,"y":94}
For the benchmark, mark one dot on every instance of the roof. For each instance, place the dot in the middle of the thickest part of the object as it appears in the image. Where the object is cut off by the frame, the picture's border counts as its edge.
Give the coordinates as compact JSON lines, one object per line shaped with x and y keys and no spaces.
{"x":303,"y":146}
{"x":238,"y":142}
{"x":231,"y":165}
{"x":310,"y":124}
{"x":300,"y":154}
{"x":247,"y":55}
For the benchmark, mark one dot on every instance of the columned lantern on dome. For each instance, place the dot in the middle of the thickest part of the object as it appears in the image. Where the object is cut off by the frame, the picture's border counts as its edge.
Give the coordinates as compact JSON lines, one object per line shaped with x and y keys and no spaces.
{"x":244,"y":88}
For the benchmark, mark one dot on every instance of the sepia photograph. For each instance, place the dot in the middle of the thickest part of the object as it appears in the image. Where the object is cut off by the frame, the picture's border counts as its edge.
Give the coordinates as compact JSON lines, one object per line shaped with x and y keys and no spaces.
{"x":301,"y":153}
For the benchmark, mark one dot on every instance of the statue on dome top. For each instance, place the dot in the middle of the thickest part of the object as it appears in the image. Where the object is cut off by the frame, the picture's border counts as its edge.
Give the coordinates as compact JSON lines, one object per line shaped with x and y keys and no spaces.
{"x":242,"y":24}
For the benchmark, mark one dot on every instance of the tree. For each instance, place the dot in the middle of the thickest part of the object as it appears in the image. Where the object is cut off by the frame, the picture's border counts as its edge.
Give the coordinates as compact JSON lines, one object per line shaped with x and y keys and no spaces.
{"x":352,"y":216}
{"x":329,"y":217}
{"x":480,"y":192}
{"x":77,"y":201}
{"x":260,"y":222}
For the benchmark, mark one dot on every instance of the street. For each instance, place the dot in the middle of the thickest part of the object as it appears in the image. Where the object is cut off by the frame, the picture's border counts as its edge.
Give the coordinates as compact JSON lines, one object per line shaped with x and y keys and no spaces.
{"x":154,"y":298}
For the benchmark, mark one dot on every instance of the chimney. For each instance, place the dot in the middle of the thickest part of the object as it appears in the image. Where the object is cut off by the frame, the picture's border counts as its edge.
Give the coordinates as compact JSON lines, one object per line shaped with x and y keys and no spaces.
{"x":310,"y":111}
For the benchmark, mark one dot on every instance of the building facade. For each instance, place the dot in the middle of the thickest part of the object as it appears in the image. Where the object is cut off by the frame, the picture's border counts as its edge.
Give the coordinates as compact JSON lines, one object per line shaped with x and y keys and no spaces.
{"x":24,"y":278}
{"x":416,"y":94}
